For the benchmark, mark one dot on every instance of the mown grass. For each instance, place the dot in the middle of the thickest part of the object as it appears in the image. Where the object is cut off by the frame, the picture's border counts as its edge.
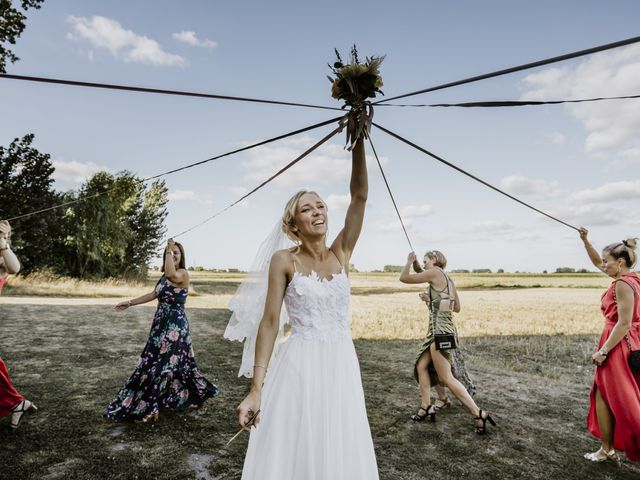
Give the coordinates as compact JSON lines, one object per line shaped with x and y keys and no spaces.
{"x":528,"y":351}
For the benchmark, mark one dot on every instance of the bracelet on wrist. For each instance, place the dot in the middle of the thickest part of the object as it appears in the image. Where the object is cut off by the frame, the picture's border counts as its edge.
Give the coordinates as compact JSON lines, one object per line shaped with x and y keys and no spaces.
{"x":603,"y":352}
{"x":259,"y":366}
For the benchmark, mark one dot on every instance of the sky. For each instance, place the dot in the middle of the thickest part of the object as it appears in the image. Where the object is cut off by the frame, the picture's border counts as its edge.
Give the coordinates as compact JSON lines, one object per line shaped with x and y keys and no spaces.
{"x":579,"y":162}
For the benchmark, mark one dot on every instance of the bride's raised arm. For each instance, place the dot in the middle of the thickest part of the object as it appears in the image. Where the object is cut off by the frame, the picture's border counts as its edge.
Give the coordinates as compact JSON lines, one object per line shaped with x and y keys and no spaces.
{"x":346,"y":240}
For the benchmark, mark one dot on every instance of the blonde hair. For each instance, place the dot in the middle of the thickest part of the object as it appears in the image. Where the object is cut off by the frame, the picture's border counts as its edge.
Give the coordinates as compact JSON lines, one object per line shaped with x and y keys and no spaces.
{"x":438,"y":258}
{"x":289,"y":214}
{"x":626,"y":249}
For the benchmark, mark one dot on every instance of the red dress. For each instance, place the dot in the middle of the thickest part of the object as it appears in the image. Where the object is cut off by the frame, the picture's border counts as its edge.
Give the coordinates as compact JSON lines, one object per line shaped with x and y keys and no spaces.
{"x":619,"y":386}
{"x":9,"y":396}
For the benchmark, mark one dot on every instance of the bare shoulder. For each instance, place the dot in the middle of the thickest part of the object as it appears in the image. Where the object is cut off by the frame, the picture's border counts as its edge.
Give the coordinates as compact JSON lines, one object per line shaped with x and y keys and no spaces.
{"x":182,"y":276}
{"x":282,"y":260}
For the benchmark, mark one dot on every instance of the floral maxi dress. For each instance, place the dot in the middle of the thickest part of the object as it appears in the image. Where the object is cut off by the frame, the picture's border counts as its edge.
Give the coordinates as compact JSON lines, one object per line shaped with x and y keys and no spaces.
{"x":166,"y":377}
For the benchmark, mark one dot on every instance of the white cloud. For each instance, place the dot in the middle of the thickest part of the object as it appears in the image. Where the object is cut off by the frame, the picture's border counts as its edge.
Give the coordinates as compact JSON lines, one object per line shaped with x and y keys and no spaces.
{"x":628,"y":158}
{"x":487,"y":231}
{"x":610,"y":124}
{"x":74,"y":171}
{"x":338,"y":202}
{"x":491,"y":227}
{"x":190,"y":38}
{"x":393,"y":225}
{"x":557,"y":138}
{"x":409,"y":214}
{"x":181,"y":195}
{"x":125,"y":45}
{"x":239,"y":190}
{"x":328,"y":164}
{"x":589,"y":215}
{"x":609,"y":192}
{"x":415,"y":211}
{"x":521,"y":185}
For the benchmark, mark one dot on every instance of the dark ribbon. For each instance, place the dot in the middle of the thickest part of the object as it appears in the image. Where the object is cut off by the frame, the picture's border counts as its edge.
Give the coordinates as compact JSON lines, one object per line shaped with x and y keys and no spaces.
{"x":360,"y":119}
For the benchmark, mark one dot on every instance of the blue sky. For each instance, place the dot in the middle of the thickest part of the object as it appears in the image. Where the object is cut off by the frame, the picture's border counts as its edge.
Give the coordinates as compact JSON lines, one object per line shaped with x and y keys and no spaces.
{"x":579,"y":162}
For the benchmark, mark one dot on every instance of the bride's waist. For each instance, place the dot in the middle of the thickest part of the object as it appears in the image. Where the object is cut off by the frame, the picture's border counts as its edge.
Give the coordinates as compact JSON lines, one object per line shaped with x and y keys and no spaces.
{"x":320,"y":332}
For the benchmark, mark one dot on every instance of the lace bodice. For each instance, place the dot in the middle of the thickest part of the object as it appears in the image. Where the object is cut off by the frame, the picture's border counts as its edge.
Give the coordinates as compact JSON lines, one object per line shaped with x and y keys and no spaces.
{"x":318,"y":308}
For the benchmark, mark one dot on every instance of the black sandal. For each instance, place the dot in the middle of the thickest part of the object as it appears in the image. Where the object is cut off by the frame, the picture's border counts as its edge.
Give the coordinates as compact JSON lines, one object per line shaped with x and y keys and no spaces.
{"x":481,"y":429}
{"x":430,"y":412}
{"x":20,"y":409}
{"x":443,"y":404}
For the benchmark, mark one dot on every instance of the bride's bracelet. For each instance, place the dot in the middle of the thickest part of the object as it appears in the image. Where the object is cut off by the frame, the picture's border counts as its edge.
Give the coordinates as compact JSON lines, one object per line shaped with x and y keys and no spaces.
{"x":259,"y":366}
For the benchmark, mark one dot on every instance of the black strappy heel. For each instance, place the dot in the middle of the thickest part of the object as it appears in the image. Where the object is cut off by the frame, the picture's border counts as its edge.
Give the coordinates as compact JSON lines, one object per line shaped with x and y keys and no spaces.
{"x":430,"y":412}
{"x":482,"y":429}
{"x":20,"y":408}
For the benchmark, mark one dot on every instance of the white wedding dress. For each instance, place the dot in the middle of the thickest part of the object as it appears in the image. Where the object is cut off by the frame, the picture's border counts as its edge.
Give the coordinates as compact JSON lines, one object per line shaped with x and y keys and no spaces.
{"x":314,"y":422}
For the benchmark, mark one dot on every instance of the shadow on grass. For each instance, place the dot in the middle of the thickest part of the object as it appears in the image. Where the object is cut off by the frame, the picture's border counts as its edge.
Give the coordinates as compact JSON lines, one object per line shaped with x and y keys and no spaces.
{"x":72,"y":360}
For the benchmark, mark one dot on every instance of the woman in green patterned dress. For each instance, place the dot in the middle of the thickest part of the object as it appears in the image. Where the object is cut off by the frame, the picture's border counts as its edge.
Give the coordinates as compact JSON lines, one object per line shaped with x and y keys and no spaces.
{"x":442,"y":299}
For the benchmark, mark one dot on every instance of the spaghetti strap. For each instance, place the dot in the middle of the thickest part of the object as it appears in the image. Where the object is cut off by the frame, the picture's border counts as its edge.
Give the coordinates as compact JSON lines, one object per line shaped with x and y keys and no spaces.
{"x":295,"y":265}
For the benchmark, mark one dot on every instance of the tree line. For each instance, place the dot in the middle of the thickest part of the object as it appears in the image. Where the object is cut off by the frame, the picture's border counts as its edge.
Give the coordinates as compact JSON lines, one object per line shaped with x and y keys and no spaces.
{"x":112,"y":234}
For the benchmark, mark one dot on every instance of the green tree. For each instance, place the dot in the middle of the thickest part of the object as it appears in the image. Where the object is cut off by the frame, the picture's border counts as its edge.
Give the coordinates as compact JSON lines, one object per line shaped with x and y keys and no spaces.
{"x":11,"y":27}
{"x":115,"y":233}
{"x":146,"y":221}
{"x":392,"y":268}
{"x":25,"y":187}
{"x":565,"y":270}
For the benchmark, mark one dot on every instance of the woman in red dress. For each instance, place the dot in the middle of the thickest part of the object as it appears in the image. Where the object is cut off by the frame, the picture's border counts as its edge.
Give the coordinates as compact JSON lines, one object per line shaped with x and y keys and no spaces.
{"x":614,"y":412}
{"x":10,"y":400}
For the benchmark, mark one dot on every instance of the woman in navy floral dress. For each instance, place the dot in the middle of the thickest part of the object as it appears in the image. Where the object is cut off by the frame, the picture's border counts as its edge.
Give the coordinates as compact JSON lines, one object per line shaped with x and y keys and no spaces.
{"x":167,"y":377}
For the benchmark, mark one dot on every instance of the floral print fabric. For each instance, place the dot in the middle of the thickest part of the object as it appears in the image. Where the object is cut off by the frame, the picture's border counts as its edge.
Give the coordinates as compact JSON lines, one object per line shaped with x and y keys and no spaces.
{"x":166,"y":377}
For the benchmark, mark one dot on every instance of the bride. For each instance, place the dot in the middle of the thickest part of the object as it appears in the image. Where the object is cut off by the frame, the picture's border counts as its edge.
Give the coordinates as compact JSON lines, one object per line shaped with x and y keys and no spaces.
{"x":312,"y":422}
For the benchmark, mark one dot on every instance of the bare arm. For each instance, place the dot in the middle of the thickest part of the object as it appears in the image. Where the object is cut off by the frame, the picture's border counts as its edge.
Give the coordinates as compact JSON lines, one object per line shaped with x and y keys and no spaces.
{"x":10,"y":261}
{"x":457,"y":307}
{"x":594,"y":256}
{"x":624,"y":299}
{"x":137,"y":301}
{"x":407,"y":277}
{"x":346,"y":240}
{"x":267,"y":334}
{"x":179,"y":276}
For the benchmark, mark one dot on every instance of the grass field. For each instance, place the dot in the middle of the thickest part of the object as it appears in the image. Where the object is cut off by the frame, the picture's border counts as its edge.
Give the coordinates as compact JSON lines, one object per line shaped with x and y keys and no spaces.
{"x":528,"y":340}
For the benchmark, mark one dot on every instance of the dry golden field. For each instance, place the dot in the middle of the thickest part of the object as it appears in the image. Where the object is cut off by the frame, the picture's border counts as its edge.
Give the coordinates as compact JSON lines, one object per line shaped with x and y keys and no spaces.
{"x":382,"y":307}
